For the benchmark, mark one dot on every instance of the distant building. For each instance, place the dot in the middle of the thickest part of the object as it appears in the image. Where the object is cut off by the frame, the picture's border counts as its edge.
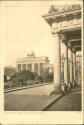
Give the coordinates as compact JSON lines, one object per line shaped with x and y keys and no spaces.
{"x":9,"y":71}
{"x":32,"y":63}
{"x":49,"y":67}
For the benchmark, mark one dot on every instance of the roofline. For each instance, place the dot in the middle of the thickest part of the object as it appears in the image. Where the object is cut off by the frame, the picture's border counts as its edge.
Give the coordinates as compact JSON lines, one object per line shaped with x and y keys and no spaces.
{"x":60,"y":13}
{"x":32,"y":57}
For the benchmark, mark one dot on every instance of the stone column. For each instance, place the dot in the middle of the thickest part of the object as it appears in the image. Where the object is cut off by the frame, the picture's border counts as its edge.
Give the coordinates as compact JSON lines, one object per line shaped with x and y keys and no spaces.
{"x":66,"y":63}
{"x":21,"y":67}
{"x":57,"y":63}
{"x":76,"y":72}
{"x":69,"y":64}
{"x":26,"y":67}
{"x":71,"y":68}
{"x":39,"y":72}
{"x":68,"y":70}
{"x":33,"y":67}
{"x":18,"y":68}
{"x":62,"y":71}
{"x":74,"y":63}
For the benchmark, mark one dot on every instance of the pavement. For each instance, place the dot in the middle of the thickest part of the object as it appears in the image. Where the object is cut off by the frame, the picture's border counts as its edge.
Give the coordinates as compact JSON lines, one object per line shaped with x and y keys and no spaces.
{"x":70,"y":102}
{"x":28,"y":102}
{"x":38,"y":99}
{"x":31,"y":99}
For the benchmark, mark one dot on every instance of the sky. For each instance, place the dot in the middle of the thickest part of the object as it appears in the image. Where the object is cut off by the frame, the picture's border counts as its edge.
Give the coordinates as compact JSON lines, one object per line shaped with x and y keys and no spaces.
{"x":24,"y":30}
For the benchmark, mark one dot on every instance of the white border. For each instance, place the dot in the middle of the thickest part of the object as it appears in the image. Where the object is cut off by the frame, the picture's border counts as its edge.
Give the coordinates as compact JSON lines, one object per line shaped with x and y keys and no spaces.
{"x":41,"y":117}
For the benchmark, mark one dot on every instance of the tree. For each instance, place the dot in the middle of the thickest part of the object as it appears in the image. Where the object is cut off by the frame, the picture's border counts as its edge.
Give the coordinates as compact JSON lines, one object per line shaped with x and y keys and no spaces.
{"x":5,"y":78}
{"x":24,"y":76}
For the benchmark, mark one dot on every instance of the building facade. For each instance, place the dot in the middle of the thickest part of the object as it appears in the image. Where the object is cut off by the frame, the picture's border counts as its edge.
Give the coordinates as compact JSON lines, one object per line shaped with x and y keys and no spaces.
{"x":32,"y":63}
{"x":65,"y":23}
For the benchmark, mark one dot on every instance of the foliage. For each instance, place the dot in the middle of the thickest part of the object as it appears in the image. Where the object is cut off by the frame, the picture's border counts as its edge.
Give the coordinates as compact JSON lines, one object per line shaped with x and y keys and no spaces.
{"x":5,"y":78}
{"x":24,"y":76}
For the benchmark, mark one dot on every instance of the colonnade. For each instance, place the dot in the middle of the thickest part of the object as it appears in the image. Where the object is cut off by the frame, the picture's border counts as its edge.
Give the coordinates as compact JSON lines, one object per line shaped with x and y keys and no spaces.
{"x":67,"y":64}
{"x":33,"y":67}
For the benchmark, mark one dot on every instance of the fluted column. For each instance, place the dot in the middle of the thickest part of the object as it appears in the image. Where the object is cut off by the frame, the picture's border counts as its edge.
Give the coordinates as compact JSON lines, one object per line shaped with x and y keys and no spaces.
{"x":26,"y":67}
{"x":33,"y":67}
{"x":68,"y":70}
{"x":57,"y":63}
{"x":18,"y":67}
{"x":77,"y":72}
{"x":39,"y":69}
{"x":74,"y":63}
{"x":66,"y":63}
{"x":71,"y":68}
{"x":21,"y":67}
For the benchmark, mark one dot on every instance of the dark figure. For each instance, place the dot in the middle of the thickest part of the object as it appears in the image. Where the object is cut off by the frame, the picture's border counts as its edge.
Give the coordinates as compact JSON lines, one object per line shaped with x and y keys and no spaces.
{"x":70,"y":86}
{"x":64,"y":88}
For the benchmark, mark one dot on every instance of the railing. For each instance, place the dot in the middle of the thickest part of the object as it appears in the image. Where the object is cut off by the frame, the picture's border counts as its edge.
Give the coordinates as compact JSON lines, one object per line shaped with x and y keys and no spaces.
{"x":14,"y":85}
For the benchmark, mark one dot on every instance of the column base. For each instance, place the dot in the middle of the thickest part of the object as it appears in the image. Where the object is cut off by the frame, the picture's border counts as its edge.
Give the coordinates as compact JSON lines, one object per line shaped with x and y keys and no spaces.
{"x":57,"y":89}
{"x":74,"y":83}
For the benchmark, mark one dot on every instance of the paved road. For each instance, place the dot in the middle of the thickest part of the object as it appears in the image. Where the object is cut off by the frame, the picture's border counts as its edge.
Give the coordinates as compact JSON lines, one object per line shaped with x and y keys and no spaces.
{"x":31,"y":99}
{"x":40,"y":90}
{"x":70,"y":102}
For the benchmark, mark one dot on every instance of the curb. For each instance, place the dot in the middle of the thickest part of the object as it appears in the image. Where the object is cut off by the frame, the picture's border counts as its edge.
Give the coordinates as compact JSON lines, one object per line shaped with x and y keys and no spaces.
{"x":56,"y":99}
{"x":49,"y":104}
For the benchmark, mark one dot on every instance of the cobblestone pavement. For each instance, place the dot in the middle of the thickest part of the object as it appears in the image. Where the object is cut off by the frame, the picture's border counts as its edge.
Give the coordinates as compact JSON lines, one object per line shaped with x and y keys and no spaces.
{"x":70,"y":102}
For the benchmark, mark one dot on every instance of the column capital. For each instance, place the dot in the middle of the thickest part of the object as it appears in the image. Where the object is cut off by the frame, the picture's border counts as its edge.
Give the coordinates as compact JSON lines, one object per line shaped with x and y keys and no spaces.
{"x":65,"y":38}
{"x":55,"y":31}
{"x":73,"y":49}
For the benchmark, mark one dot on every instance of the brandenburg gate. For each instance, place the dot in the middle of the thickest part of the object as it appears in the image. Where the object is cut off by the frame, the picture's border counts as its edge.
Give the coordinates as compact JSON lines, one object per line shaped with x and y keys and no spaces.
{"x":32,"y":63}
{"x":65,"y":22}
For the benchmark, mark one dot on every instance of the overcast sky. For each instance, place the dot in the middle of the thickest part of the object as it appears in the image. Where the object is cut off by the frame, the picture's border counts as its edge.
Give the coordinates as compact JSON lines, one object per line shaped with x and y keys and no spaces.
{"x":24,"y":30}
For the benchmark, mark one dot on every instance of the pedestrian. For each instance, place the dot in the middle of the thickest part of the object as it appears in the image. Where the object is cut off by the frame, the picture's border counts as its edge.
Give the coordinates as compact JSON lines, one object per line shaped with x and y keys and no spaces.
{"x":69,"y":87}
